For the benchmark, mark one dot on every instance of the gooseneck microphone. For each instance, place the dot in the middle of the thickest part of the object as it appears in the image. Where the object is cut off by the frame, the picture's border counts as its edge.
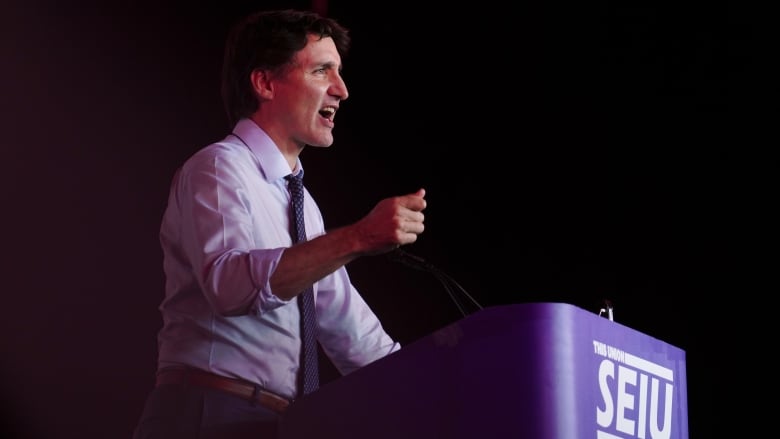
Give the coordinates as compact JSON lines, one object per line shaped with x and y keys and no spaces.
{"x":457,"y":293}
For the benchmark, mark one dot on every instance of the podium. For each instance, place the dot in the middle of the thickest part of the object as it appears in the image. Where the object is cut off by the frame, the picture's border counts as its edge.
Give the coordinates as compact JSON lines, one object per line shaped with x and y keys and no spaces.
{"x":536,"y":370}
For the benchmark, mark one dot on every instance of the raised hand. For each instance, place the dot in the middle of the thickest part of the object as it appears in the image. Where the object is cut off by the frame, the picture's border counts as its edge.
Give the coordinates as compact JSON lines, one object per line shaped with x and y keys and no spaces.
{"x":393,"y":222}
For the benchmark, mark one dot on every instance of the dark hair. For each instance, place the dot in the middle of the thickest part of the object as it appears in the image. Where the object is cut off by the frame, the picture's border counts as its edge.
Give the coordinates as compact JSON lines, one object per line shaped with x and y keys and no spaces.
{"x":269,"y":40}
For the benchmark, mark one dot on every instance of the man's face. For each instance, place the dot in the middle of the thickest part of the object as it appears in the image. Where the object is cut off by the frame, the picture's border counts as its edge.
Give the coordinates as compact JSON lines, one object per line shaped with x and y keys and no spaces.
{"x":308,"y":93}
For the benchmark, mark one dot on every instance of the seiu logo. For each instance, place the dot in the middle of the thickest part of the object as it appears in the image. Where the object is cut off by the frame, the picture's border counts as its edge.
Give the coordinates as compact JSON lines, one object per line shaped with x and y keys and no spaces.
{"x":636,"y":396}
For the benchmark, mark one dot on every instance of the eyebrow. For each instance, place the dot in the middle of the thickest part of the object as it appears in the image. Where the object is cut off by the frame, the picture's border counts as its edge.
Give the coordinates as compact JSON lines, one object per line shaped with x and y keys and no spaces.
{"x":330,"y":65}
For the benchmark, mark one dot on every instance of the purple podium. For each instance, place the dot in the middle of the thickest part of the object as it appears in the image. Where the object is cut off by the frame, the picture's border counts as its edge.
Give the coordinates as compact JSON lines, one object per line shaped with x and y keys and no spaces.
{"x":537,"y":370}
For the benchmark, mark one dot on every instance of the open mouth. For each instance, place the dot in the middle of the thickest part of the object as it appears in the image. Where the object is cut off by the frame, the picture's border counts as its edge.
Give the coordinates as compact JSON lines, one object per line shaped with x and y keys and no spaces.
{"x":328,"y":112}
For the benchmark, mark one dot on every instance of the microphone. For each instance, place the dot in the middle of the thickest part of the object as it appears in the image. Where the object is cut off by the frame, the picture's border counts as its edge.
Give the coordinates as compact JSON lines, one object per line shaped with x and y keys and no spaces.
{"x":456,"y":292}
{"x":410,"y":260}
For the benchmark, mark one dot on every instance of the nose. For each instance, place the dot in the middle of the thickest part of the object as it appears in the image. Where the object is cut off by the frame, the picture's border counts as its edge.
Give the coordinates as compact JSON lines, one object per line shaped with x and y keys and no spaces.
{"x":339,"y":88}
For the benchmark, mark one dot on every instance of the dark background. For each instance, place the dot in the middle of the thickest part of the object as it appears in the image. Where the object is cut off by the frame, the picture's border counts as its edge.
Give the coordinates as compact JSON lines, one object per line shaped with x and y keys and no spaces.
{"x":572,"y":152}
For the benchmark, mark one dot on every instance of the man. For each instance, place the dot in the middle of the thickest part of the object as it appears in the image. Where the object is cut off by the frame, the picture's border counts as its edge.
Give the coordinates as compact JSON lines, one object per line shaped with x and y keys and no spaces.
{"x":230,"y":345}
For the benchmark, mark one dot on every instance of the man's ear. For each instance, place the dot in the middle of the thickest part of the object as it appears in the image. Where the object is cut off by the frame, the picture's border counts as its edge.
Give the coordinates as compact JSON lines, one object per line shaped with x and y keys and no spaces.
{"x":261,"y":83}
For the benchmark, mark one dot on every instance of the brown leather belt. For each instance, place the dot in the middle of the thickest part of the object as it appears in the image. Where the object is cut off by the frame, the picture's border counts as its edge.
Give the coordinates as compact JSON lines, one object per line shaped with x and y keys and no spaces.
{"x":233,"y":386}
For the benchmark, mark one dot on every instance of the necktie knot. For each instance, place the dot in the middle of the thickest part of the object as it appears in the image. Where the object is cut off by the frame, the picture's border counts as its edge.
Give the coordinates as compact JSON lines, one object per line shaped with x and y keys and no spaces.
{"x":295,"y":186}
{"x":295,"y":180}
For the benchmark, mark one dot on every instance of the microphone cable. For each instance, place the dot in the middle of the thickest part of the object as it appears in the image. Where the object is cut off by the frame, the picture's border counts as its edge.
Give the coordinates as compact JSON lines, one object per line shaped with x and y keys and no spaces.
{"x":457,"y":293}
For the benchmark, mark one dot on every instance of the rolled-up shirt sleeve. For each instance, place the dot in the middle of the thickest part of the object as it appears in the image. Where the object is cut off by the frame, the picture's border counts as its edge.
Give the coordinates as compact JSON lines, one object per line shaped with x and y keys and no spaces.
{"x":233,"y":238}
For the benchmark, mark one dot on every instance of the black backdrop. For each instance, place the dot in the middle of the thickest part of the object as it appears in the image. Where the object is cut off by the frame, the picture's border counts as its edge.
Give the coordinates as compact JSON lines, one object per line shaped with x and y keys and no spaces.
{"x":569,"y":153}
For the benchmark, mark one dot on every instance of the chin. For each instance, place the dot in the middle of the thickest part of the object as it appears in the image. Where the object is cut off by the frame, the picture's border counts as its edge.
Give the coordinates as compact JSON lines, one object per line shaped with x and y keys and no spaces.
{"x":322,"y":142}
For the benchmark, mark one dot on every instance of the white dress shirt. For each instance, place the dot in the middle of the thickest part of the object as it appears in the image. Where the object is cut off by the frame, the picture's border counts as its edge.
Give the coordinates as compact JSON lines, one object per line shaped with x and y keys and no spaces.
{"x":223,"y":232}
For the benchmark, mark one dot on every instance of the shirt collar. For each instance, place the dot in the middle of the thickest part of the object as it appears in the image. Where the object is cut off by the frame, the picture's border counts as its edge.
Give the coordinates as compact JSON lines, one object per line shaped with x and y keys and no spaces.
{"x":271,"y":161}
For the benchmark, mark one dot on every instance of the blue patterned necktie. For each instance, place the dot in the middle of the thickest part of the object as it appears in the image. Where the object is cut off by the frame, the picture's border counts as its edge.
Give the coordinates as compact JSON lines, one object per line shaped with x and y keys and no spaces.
{"x":309,"y":378}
